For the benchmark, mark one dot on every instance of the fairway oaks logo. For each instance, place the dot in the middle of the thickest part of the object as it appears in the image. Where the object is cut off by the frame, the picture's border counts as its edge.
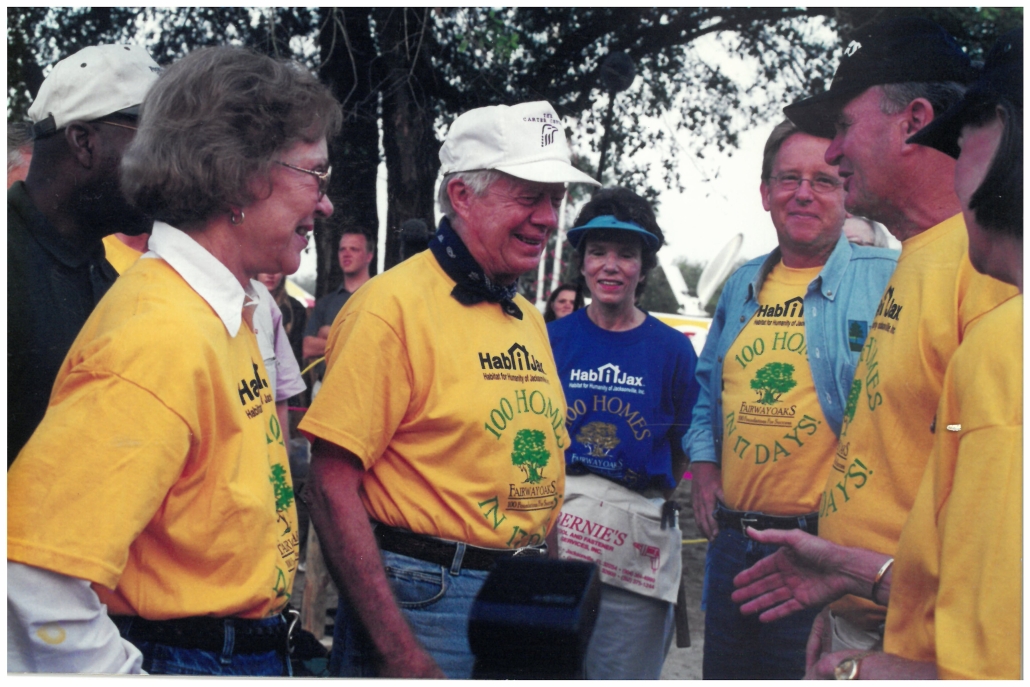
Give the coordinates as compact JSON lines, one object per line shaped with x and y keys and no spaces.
{"x":530,"y":455}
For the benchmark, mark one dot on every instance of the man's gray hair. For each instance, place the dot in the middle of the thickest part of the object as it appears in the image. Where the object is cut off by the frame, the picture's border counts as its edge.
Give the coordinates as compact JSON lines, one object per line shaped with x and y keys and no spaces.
{"x":895,"y":97}
{"x":479,"y":181}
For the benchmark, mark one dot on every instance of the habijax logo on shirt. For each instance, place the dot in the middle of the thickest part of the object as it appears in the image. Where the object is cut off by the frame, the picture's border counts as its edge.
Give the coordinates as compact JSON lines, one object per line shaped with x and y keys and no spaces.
{"x":251,"y":390}
{"x":608,"y":373}
{"x":518,"y":357}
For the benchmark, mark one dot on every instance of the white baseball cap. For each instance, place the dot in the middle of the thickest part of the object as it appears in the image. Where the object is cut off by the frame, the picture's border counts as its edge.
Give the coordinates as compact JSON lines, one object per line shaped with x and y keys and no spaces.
{"x":93,"y":83}
{"x":525,"y":140}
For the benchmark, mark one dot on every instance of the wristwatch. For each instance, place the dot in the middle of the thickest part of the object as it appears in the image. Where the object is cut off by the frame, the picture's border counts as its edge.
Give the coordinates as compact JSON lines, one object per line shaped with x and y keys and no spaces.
{"x":848,"y":668}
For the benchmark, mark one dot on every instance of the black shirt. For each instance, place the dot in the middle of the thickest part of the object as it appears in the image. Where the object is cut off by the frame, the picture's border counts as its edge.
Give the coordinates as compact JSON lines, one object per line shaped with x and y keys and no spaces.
{"x":51,"y":291}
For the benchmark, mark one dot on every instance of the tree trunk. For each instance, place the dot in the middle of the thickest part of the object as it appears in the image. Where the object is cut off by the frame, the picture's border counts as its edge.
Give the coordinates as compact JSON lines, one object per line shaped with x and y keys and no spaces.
{"x":348,"y":53}
{"x":408,"y":103}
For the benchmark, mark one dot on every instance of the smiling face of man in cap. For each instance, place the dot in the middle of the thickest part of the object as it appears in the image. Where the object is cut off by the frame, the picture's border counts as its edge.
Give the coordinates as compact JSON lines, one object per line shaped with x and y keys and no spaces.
{"x":506,"y":229}
{"x":864,"y":145}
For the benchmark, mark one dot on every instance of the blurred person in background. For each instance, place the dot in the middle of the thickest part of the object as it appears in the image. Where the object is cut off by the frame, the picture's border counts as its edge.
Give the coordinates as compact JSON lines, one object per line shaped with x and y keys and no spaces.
{"x":355,"y":253}
{"x":157,"y":488}
{"x":865,"y":232}
{"x":294,"y":314}
{"x":563,"y":301}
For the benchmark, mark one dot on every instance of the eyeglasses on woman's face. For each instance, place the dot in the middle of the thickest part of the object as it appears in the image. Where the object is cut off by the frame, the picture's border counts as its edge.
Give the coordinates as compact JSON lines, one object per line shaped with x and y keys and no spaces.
{"x":323,"y":177}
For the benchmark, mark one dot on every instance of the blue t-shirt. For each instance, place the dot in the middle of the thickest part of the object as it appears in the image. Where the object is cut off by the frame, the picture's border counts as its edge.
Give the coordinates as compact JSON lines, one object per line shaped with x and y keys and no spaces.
{"x":629,"y":396}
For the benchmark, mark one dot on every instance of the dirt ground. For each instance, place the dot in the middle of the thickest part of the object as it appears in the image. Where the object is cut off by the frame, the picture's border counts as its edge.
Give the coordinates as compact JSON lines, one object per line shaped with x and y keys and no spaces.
{"x":681,"y":664}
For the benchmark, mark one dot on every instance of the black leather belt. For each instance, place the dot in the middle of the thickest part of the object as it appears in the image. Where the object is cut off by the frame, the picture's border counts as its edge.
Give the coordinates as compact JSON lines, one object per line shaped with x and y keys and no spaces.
{"x":739,"y":520}
{"x":440,"y":552}
{"x":204,"y":633}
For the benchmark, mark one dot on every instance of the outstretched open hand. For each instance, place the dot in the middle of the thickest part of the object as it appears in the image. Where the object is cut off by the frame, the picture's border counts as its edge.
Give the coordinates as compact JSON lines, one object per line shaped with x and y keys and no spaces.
{"x":804,"y":573}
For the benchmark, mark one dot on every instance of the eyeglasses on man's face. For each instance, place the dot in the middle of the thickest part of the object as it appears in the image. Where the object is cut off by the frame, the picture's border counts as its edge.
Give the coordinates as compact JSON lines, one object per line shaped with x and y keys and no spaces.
{"x":323,"y":177}
{"x":792,"y":182}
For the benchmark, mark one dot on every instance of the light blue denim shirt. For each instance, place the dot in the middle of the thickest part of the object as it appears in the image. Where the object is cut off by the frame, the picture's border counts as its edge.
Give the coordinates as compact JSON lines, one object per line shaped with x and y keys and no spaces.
{"x":839,"y":305}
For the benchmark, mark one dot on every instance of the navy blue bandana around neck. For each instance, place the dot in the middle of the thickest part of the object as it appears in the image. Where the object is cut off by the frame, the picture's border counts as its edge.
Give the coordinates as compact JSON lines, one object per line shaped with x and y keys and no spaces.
{"x":473,"y":286}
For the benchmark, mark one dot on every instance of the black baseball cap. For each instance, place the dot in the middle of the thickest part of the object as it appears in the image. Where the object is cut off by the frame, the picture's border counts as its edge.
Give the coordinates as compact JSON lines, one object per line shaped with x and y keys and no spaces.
{"x":895,"y":51}
{"x":1002,"y":77}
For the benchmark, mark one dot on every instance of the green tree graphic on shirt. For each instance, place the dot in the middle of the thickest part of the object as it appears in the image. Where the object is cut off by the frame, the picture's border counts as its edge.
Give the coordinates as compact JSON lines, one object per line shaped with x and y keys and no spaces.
{"x":283,"y":493}
{"x":772,"y":381}
{"x":530,"y":454}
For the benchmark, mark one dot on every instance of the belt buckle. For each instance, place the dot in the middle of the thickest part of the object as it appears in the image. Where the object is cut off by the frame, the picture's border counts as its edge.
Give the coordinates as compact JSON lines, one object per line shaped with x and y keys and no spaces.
{"x":745,"y":521}
{"x":530,"y":551}
{"x":293,"y":617}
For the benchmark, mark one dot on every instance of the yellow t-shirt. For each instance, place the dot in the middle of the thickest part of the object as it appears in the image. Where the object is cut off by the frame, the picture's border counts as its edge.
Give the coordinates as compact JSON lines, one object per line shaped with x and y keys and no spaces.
{"x":957,"y":585}
{"x":455,"y":411}
{"x":777,"y":445}
{"x":119,"y":255}
{"x":159,"y":471}
{"x":930,"y":303}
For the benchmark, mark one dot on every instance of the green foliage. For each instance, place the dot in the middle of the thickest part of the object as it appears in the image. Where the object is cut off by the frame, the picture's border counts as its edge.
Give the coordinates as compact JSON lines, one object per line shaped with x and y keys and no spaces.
{"x":772,"y":381}
{"x":420,"y":67}
{"x":530,"y":454}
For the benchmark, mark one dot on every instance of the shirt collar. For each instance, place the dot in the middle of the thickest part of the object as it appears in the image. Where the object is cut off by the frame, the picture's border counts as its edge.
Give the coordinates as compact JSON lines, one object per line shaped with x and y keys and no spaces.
{"x":203,"y":272}
{"x":829,"y":277}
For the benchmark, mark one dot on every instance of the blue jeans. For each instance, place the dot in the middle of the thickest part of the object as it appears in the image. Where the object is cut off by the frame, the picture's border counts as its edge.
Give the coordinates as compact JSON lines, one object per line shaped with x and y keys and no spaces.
{"x":436,"y":601}
{"x":739,"y":647}
{"x":162,"y":659}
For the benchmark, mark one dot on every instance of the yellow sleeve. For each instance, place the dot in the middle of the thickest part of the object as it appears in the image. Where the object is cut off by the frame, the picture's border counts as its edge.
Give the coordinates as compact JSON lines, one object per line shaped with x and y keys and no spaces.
{"x":978,"y":295}
{"x":92,"y":476}
{"x":979,"y":602}
{"x":367,"y":388}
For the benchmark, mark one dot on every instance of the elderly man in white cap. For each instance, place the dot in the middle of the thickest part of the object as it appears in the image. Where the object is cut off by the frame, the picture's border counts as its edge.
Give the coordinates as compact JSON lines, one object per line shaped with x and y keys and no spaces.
{"x":83,"y":118}
{"x":439,"y":432}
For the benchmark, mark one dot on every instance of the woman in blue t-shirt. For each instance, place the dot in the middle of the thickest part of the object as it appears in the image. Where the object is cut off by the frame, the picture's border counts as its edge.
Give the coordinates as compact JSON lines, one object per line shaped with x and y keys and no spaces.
{"x":630,"y":389}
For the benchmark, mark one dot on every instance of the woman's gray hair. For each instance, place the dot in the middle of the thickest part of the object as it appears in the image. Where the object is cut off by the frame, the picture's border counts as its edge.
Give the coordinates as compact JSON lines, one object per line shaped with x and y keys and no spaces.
{"x":212,"y":124}
{"x":479,"y":181}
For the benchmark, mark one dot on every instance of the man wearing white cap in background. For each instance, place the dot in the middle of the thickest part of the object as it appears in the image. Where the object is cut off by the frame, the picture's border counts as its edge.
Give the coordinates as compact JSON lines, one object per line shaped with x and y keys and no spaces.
{"x":83,"y":118}
{"x":453,"y":435}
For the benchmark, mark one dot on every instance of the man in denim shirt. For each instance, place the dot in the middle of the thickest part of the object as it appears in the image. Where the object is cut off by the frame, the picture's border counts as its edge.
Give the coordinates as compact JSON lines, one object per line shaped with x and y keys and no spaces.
{"x":775,"y":376}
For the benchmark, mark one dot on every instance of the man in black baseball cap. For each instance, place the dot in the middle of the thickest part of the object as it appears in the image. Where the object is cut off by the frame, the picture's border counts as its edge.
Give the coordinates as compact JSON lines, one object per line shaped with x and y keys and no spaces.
{"x":893,"y":80}
{"x":906,"y":50}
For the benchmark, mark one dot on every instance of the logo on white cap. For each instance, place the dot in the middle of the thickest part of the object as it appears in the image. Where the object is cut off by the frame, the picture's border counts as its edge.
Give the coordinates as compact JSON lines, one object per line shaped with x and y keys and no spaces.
{"x":503,"y":138}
